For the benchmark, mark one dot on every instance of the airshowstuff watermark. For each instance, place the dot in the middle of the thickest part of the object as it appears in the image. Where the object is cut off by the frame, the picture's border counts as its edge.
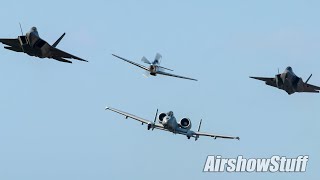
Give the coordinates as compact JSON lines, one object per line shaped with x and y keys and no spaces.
{"x":240,"y":164}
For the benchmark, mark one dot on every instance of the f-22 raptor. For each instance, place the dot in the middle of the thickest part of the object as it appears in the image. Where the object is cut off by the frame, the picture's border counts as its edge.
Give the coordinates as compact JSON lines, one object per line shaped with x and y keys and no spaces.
{"x":33,"y":45}
{"x":289,"y":82}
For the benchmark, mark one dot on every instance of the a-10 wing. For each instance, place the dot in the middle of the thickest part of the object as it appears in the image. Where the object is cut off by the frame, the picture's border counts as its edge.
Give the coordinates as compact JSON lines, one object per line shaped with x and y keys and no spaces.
{"x":128,"y":115}
{"x":215,"y":135}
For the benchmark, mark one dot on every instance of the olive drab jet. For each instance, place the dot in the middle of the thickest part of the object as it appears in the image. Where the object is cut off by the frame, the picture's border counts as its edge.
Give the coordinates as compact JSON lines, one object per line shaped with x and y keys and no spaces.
{"x":167,"y":122}
{"x":289,"y":82}
{"x":154,"y":67}
{"x":33,"y":45}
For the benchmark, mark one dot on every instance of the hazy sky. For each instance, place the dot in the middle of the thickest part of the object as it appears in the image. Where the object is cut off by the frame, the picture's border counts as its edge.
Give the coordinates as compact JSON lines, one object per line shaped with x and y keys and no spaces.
{"x":52,"y":119}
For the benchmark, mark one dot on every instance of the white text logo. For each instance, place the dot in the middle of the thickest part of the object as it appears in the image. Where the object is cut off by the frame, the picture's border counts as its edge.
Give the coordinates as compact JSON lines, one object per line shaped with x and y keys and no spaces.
{"x":240,"y":164}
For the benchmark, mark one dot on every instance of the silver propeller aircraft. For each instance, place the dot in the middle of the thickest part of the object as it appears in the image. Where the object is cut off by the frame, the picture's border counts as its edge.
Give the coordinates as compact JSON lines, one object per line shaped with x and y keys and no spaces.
{"x":154,"y":67}
{"x":33,"y":45}
{"x":168,"y":122}
{"x":289,"y":82}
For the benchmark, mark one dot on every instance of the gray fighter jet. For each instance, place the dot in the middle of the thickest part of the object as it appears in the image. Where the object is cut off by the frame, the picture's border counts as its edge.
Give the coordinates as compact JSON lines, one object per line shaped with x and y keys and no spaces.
{"x":154,"y":67}
{"x":33,"y":45}
{"x":289,"y":82}
{"x":168,"y":122}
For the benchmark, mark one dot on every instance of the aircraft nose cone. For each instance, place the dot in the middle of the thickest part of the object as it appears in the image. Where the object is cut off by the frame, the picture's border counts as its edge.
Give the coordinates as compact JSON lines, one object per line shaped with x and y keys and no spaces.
{"x":289,"y":68}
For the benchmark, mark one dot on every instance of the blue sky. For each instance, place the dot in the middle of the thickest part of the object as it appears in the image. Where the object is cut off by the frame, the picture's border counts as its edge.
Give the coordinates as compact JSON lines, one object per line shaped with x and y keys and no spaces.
{"x":53,"y":124}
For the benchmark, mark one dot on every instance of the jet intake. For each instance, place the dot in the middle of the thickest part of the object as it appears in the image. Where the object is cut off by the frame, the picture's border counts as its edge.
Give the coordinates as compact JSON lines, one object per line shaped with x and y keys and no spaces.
{"x":279,"y":81}
{"x":24,"y":43}
{"x":161,"y":117}
{"x":185,"y":123}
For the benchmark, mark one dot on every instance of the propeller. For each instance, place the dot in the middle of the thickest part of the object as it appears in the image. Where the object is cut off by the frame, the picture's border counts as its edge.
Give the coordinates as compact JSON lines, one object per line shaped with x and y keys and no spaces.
{"x":157,"y":59}
{"x":145,"y":60}
{"x":156,"y":62}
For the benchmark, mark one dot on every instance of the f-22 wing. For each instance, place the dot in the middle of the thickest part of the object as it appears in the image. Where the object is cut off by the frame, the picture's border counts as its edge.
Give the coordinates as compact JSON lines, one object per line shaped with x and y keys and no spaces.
{"x":12,"y":44}
{"x":59,"y":55}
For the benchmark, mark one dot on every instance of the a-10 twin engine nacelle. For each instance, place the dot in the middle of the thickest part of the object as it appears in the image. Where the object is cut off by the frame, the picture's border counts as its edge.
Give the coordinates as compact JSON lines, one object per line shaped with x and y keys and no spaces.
{"x":161,"y":116}
{"x":185,"y":123}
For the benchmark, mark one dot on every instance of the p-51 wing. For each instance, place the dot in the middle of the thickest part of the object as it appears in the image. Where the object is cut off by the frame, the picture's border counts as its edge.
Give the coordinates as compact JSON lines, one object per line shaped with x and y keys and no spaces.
{"x":269,"y":81}
{"x":128,"y":115}
{"x":136,"y":64}
{"x":173,"y":75}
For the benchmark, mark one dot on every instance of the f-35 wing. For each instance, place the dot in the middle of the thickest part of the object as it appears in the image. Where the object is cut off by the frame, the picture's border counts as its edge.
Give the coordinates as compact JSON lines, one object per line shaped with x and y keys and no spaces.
{"x":57,"y":53}
{"x":128,"y":115}
{"x":10,"y":42}
{"x":173,"y":75}
{"x":215,"y":135}
{"x":269,"y":81}
{"x":136,"y":64}
{"x":310,"y":88}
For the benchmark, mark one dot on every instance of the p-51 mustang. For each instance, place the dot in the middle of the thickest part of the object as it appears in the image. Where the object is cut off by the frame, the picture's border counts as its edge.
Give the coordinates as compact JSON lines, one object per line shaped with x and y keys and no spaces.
{"x":33,"y":45}
{"x":154,"y":67}
{"x":168,"y":122}
{"x":289,"y":82}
